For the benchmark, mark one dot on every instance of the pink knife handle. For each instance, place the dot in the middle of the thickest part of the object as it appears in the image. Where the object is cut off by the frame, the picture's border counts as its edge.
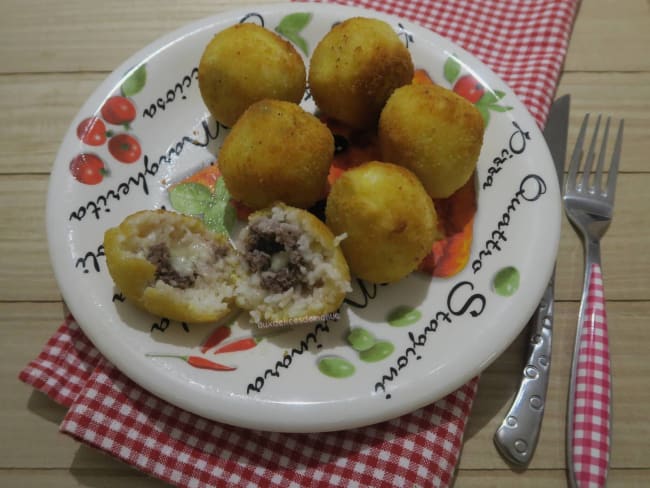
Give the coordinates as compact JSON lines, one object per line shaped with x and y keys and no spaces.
{"x":592,"y":392}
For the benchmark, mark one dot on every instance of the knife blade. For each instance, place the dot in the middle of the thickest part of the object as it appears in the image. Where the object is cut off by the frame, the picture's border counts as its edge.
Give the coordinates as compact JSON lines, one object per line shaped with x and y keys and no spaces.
{"x":517,"y":436}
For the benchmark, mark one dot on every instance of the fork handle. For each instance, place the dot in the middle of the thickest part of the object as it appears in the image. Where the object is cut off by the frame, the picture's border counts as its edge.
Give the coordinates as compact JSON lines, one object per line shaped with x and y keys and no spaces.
{"x":589,"y":422}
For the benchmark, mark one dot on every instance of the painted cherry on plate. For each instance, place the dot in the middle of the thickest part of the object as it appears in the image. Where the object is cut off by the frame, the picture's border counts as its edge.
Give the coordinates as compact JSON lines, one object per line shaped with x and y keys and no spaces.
{"x":118,"y":110}
{"x":92,"y":131}
{"x":125,"y":148}
{"x":88,"y":168}
{"x":469,"y":88}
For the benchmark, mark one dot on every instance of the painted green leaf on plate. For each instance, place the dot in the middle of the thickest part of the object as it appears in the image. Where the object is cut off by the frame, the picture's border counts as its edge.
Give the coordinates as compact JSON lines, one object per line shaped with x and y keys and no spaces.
{"x":381,"y":350}
{"x":403,"y":316}
{"x":451,"y":69}
{"x":135,"y":81}
{"x":500,"y":108}
{"x":360,"y":339}
{"x":506,"y":281}
{"x":485,"y":113}
{"x":295,"y":22}
{"x":336,"y":367}
{"x":291,"y":26}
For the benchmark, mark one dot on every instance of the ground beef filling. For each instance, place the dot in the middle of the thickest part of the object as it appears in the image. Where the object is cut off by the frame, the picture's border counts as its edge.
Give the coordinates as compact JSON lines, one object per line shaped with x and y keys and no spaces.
{"x":272,"y":252}
{"x":159,"y":255}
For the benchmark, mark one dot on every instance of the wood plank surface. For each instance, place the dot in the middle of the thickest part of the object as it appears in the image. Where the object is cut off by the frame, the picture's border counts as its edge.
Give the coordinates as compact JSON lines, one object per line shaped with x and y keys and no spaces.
{"x":24,"y":259}
{"x":75,"y":33}
{"x":36,"y":112}
{"x":610,"y":35}
{"x":468,"y":479}
{"x":71,"y":36}
{"x":55,"y":54}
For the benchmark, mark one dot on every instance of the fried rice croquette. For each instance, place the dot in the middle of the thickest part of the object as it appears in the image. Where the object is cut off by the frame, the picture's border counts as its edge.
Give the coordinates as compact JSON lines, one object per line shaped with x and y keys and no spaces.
{"x":293,"y":268}
{"x":277,"y":152}
{"x":355,"y":68}
{"x":172,"y":266}
{"x":388,"y":218}
{"x":435,"y":133}
{"x":246,"y":63}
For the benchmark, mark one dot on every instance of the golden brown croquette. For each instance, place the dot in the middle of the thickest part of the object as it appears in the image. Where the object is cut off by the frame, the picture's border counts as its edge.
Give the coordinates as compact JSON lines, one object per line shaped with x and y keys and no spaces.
{"x":355,"y":68}
{"x":277,"y":152}
{"x":246,"y":63}
{"x":435,"y":133}
{"x":389,"y":220}
{"x":172,"y":266}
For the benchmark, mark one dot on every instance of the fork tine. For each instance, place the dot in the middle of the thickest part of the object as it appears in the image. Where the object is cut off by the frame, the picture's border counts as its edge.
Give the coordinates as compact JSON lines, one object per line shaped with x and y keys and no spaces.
{"x":591,"y":154}
{"x":613,"y":170}
{"x":577,"y":155}
{"x":601,"y":158}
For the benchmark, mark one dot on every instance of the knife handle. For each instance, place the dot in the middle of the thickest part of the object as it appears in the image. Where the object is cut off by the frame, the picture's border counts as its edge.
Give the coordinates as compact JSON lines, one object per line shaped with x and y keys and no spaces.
{"x":517,"y":436}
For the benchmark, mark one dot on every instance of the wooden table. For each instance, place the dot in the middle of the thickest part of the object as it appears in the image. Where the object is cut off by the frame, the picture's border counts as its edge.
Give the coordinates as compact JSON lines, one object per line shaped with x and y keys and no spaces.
{"x":54,"y":54}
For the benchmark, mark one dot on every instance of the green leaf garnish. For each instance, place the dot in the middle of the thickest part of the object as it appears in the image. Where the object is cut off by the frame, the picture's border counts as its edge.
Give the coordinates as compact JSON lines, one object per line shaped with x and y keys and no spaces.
{"x":135,"y":81}
{"x":221,"y":193}
{"x":190,"y":198}
{"x":451,"y":69}
{"x":220,"y":217}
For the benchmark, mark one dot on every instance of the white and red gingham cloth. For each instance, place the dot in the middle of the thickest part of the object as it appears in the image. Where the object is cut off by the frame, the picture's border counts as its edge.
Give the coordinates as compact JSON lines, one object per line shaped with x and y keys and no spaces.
{"x":110,"y":412}
{"x":525,"y":42}
{"x":590,"y":443}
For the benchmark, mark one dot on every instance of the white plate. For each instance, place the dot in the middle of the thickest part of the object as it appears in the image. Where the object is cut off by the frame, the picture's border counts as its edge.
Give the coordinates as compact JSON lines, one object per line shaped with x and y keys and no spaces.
{"x":459,"y":326}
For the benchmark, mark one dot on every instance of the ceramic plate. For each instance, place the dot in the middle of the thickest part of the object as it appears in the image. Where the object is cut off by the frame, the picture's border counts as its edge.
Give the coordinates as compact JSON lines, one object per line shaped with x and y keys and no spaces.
{"x":390,"y":349}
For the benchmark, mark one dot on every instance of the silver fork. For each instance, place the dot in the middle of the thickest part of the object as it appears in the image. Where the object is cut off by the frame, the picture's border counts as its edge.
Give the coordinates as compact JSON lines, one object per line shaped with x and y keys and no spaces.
{"x":589,"y":205}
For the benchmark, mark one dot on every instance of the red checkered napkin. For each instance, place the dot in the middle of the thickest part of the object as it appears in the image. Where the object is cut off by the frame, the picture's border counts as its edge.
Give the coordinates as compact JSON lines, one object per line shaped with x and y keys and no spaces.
{"x":110,"y":412}
{"x":592,"y":401}
{"x":524,"y":41}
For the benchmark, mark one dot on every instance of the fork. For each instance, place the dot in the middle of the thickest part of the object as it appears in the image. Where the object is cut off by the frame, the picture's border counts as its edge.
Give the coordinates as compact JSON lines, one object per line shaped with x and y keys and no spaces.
{"x":589,"y":206}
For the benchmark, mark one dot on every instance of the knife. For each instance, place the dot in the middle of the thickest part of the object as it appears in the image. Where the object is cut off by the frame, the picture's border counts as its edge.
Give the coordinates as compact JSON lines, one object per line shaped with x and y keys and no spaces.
{"x":516,"y":437}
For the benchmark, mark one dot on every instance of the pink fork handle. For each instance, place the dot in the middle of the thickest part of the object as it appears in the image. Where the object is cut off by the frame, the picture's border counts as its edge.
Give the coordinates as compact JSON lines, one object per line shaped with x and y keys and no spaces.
{"x":592,"y":392}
